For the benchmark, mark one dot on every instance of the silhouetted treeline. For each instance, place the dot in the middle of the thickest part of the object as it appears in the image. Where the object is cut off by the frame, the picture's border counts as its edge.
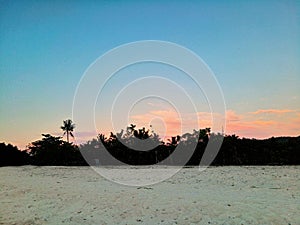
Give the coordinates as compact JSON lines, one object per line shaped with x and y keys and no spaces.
{"x":234,"y":151}
{"x":123,"y":147}
{"x":12,"y":156}
{"x":272,"y":151}
{"x":52,"y":151}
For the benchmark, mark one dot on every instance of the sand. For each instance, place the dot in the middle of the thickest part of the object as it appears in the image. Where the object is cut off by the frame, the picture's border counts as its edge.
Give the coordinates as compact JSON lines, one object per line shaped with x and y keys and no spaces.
{"x":218,"y":195}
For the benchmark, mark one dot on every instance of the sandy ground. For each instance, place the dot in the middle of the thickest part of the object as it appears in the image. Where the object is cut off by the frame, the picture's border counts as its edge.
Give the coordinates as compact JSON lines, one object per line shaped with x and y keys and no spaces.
{"x":218,"y":195}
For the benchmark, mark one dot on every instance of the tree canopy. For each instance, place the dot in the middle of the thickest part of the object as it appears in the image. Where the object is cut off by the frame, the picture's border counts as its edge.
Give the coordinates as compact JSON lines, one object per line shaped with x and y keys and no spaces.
{"x":68,"y":127}
{"x":52,"y":150}
{"x":126,"y":146}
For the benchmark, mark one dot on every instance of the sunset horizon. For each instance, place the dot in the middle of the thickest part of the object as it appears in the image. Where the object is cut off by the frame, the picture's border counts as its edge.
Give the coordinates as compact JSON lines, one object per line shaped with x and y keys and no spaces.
{"x":46,"y":49}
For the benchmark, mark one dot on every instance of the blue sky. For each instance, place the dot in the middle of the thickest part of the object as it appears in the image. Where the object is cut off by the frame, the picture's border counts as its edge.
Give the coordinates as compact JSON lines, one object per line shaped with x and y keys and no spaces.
{"x":45,"y":47}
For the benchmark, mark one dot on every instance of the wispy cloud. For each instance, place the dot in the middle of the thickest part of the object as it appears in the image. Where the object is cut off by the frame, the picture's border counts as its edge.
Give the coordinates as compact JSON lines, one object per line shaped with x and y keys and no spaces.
{"x":273,"y":111}
{"x":275,"y":122}
{"x":232,"y":116}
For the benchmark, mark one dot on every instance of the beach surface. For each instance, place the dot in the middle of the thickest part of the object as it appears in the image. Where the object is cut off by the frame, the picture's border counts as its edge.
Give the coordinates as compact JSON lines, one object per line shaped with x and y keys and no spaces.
{"x":217,"y":195}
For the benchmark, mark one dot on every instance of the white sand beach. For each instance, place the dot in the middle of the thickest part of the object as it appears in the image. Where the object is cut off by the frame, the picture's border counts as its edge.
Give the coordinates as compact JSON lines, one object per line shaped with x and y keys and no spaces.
{"x":218,"y":195}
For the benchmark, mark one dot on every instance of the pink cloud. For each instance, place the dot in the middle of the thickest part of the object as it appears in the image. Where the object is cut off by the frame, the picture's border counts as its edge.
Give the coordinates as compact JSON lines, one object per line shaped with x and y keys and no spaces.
{"x":248,"y":124}
{"x":232,"y":116}
{"x":252,"y":126}
{"x":273,"y":111}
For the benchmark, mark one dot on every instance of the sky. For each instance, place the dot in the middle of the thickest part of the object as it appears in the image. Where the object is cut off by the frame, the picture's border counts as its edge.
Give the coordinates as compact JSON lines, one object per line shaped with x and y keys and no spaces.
{"x":252,"y":47}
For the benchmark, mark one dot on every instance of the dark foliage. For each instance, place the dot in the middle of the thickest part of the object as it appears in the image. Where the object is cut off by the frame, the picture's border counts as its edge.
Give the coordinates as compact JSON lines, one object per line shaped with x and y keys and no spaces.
{"x":12,"y":156}
{"x":125,"y":147}
{"x":234,"y":151}
{"x":68,"y":127}
{"x":53,"y":151}
{"x":272,"y":151}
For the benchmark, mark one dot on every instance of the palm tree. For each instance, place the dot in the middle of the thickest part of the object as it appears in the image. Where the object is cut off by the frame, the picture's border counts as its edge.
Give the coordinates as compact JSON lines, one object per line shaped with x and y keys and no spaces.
{"x":68,"y":127}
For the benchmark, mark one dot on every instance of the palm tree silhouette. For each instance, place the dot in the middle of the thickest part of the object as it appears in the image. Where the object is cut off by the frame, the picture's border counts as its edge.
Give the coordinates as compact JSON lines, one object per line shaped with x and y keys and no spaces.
{"x":68,"y":127}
